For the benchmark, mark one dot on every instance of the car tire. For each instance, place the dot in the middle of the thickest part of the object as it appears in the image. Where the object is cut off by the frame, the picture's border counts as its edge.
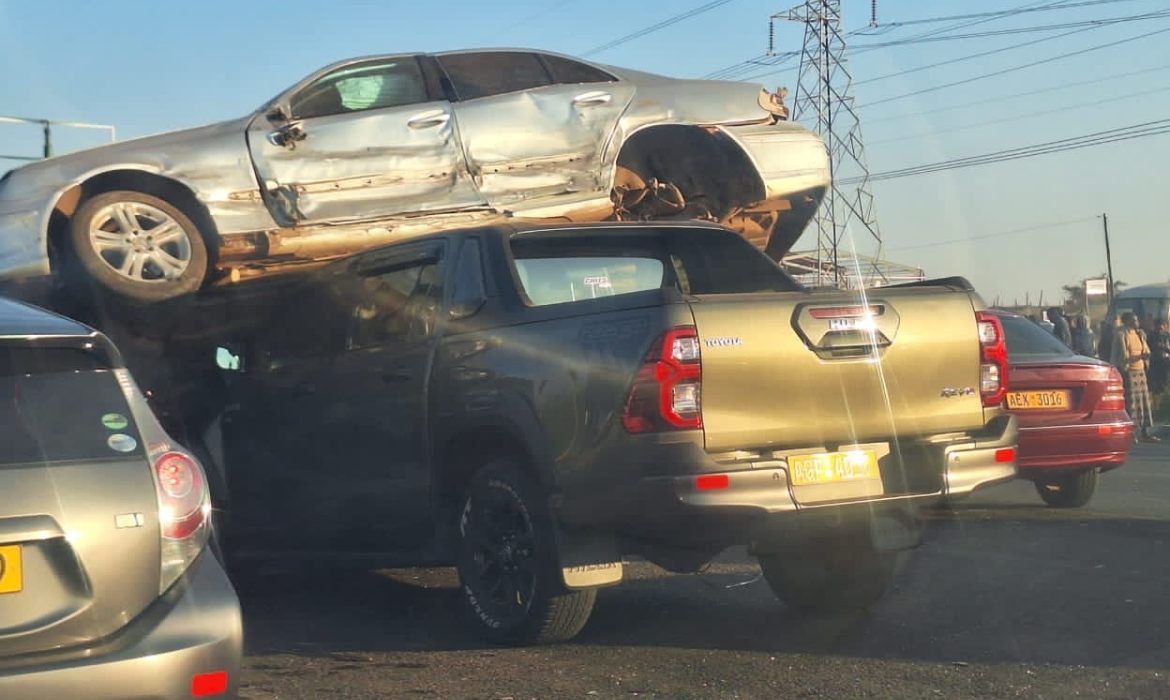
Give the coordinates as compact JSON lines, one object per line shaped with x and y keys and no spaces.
{"x":137,"y":247}
{"x":1068,"y":490}
{"x":509,"y":574}
{"x":838,"y":575}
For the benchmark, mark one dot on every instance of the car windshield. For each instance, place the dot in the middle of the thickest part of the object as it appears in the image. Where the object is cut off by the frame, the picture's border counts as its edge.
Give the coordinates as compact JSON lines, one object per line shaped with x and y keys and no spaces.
{"x":585,"y":349}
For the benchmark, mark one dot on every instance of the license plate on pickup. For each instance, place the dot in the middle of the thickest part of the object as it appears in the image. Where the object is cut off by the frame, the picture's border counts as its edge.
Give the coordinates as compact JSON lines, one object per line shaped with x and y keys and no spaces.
{"x":11,"y":576}
{"x":1041,"y":400}
{"x":833,"y":467}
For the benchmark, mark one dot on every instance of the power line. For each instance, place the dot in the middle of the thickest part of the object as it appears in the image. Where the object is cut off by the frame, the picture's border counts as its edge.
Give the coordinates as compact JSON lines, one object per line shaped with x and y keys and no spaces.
{"x":999,"y":234}
{"x":1106,"y":21}
{"x":657,"y":26}
{"x":1125,"y":133}
{"x":1053,"y":4}
{"x":997,"y":99}
{"x":1095,"y":24}
{"x":994,"y":14}
{"x":1019,"y":67}
{"x":1017,"y":117}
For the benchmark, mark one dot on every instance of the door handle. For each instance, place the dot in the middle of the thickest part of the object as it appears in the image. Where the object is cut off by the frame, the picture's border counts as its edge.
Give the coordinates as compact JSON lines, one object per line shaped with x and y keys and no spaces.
{"x":428,"y":120}
{"x":595,"y":97}
{"x":287,"y":135}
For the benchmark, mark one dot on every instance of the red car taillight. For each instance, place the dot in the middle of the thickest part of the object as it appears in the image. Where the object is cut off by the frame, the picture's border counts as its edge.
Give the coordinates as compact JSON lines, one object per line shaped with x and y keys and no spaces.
{"x":181,"y":490}
{"x":993,"y":367}
{"x":1114,"y":397}
{"x":667,"y":391}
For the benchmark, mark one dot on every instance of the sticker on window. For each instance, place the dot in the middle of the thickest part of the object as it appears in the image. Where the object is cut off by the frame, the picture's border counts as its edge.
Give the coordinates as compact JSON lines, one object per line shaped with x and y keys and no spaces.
{"x":115,"y":421}
{"x":121,"y":442}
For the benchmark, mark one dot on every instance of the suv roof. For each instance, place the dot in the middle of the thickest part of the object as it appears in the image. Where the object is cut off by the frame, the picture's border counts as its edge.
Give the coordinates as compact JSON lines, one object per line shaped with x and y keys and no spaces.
{"x":18,"y":320}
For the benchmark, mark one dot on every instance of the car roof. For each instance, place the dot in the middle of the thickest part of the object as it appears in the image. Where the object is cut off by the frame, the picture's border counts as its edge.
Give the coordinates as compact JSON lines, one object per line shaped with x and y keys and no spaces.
{"x":21,"y":320}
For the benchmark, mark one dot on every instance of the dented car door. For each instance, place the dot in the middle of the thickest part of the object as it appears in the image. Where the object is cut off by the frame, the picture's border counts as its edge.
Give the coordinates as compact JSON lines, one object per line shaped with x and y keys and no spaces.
{"x":364,"y":140}
{"x":528,"y":136}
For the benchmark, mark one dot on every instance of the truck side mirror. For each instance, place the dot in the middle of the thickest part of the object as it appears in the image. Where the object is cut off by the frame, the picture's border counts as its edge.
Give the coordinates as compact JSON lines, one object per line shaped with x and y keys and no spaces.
{"x":465,"y":308}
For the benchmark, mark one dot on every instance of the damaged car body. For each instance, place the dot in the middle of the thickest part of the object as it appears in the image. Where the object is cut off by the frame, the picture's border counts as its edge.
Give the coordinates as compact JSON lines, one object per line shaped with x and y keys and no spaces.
{"x":375,"y":149}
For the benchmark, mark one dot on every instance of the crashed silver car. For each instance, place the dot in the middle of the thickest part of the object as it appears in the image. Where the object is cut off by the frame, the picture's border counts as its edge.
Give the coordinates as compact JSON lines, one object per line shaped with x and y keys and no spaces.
{"x":373,"y":149}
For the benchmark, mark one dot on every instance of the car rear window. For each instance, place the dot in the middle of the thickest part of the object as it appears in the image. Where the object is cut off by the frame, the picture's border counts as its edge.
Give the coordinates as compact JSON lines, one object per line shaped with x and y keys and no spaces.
{"x":567,"y":265}
{"x":1026,"y":340}
{"x":55,"y":407}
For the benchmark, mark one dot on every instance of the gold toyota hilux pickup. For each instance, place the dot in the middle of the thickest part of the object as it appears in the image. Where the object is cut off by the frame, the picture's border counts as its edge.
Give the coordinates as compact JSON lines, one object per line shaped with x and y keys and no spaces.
{"x":533,"y":404}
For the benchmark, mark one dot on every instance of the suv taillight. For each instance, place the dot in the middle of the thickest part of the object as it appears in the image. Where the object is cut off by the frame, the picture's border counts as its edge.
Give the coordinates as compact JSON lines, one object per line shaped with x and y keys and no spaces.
{"x":667,"y":391}
{"x":184,"y":511}
{"x":184,"y":502}
{"x":1114,"y":397}
{"x":993,"y":364}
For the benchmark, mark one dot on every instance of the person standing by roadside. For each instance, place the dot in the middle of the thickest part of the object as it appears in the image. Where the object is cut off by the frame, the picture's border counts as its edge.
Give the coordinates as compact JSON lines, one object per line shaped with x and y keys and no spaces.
{"x":1136,"y":353}
{"x":1082,"y":336}
{"x":1115,"y":355}
{"x":1159,"y":374}
{"x":1059,"y":325}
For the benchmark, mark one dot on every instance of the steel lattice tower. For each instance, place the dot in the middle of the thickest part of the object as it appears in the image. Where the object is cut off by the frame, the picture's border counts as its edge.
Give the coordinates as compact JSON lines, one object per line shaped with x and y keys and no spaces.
{"x":823,"y":100}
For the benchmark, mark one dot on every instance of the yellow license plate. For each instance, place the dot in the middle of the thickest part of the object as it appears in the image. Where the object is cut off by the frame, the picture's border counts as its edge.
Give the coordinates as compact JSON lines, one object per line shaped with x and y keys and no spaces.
{"x":11,"y":576}
{"x":1042,"y":400}
{"x":833,"y":467}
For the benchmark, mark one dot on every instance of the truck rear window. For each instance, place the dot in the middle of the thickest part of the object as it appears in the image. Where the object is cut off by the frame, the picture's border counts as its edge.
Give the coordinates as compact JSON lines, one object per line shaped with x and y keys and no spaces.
{"x":566,"y":265}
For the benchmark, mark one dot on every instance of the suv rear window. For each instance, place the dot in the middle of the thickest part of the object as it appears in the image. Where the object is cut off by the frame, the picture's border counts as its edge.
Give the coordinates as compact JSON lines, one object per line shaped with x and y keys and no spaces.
{"x":567,"y":265}
{"x":64,"y":416}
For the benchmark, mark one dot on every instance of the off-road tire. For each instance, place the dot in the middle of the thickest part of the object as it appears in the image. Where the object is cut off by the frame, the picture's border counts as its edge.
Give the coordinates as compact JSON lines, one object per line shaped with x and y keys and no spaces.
{"x":1068,"y":490}
{"x":841,"y":574}
{"x":505,"y":523}
{"x":96,"y":270}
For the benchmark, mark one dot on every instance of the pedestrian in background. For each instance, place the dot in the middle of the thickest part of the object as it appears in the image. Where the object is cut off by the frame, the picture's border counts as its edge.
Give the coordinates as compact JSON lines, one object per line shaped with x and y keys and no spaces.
{"x":1159,"y":374}
{"x":1082,"y":336}
{"x":1136,"y":352}
{"x":1059,"y":325}
{"x":1116,"y":353}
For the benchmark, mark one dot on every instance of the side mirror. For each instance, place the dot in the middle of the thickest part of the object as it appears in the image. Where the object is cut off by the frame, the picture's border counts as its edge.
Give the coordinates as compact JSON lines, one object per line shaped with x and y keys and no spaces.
{"x":465,"y":309}
{"x":228,"y":360}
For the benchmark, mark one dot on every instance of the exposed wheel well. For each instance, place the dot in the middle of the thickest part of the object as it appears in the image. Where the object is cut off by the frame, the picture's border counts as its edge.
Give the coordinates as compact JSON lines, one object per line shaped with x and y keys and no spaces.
{"x":705,"y":164}
{"x":159,"y":186}
{"x":470,"y":450}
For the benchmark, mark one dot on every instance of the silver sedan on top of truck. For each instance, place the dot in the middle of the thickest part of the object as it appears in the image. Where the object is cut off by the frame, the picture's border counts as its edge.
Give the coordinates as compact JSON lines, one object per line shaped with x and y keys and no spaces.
{"x":374,"y":149}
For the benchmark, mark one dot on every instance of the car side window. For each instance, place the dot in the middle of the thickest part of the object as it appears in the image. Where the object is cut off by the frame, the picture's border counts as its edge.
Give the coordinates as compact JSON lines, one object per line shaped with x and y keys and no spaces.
{"x":568,"y":71}
{"x":475,"y":75}
{"x":397,"y":305}
{"x":374,"y":85}
{"x":306,"y":328}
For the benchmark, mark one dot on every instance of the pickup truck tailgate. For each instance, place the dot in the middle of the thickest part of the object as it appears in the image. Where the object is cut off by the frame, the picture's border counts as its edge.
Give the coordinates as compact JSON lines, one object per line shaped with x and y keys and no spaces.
{"x":783,"y":368}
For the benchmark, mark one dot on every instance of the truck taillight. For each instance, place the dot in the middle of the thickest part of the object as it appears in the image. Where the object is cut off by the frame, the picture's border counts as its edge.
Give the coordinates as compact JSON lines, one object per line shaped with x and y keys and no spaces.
{"x":1114,"y":397}
{"x":667,"y":391}
{"x":993,"y":364}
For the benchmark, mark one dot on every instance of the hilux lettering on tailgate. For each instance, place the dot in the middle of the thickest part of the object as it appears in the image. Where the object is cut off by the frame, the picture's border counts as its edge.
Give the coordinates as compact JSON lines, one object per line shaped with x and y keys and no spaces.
{"x":723,"y":341}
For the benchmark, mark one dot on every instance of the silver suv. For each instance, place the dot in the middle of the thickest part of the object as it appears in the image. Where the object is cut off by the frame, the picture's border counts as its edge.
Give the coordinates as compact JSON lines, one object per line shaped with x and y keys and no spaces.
{"x":108,"y":586}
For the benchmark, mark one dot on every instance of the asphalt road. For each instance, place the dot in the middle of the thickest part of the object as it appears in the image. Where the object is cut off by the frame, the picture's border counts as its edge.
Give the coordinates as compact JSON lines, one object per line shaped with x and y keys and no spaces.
{"x":1005,"y":598}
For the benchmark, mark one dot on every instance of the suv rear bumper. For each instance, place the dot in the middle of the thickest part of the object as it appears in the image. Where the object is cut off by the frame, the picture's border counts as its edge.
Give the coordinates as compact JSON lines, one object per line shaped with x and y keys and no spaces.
{"x":195,"y":628}
{"x":670,"y":503}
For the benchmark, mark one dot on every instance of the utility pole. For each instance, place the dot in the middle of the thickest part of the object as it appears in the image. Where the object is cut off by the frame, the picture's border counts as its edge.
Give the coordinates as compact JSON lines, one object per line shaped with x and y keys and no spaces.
{"x":1108,"y":260}
{"x":823,"y":98}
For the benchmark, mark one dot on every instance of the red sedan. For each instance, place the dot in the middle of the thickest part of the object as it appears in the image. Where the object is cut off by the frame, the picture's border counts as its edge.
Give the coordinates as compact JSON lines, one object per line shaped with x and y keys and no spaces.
{"x":1073,"y":423}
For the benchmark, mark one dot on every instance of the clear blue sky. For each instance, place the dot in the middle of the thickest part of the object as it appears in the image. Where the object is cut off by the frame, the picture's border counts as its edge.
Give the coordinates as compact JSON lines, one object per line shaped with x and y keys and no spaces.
{"x":149,"y":66}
